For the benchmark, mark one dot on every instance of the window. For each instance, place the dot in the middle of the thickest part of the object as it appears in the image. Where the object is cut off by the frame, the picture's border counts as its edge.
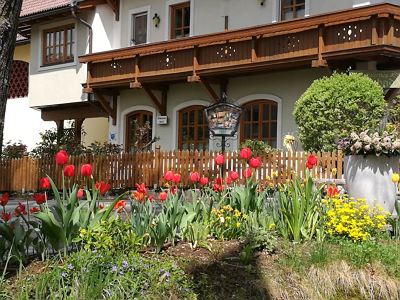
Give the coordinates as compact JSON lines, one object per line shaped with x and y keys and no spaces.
{"x":134,"y":137}
{"x":180,"y":20}
{"x":193,"y":129}
{"x":139,"y":29}
{"x":292,"y":9}
{"x":260,"y":122}
{"x":58,"y":45}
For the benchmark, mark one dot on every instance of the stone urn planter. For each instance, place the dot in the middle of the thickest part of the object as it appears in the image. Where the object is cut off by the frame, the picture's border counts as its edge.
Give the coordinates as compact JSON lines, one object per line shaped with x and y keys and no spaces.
{"x":370,"y":177}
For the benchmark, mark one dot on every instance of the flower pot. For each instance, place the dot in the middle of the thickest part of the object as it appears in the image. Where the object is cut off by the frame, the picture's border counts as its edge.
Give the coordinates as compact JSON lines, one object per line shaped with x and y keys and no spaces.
{"x":370,"y":177}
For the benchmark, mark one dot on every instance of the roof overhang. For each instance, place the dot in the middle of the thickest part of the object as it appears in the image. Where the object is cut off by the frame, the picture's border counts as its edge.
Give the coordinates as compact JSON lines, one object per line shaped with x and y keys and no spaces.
{"x":70,"y":111}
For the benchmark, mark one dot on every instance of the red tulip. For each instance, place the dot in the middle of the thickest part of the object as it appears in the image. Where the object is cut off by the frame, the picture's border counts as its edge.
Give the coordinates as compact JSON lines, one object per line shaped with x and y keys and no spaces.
{"x":162,"y":196}
{"x":119,"y":205}
{"x":194,"y":177}
{"x":34,"y":210}
{"x":219,"y":159}
{"x":20,"y":210}
{"x":79,"y":194}
{"x":228,"y":180}
{"x":177,"y":178}
{"x":44,"y":183}
{"x":247,"y":173}
{"x":255,"y":162}
{"x":39,"y":198}
{"x":5,"y":217}
{"x":332,"y":191}
{"x":173,"y":190}
{"x":141,"y":188}
{"x":69,"y":170}
{"x":234,"y":175}
{"x":61,"y":157}
{"x":245,"y":153}
{"x":102,"y":187}
{"x":86,"y":170}
{"x":169,"y":176}
{"x":4,"y":199}
{"x":203,"y":181}
{"x":311,"y":161}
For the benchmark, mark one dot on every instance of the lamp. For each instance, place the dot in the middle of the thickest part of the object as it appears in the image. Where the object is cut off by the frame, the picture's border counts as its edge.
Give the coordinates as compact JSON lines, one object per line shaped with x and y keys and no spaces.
{"x":156,"y":20}
{"x":223,"y":119}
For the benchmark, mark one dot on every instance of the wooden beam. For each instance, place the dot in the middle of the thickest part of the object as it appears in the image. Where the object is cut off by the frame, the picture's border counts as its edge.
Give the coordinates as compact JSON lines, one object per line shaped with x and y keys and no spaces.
{"x":160,"y":104}
{"x":77,"y":111}
{"x":106,"y":106}
{"x":391,"y":93}
{"x":78,"y":130}
{"x":214,"y":96}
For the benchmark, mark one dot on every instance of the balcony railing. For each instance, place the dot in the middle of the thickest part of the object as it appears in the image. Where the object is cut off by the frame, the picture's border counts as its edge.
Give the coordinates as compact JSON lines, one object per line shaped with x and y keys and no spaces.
{"x":364,"y":32}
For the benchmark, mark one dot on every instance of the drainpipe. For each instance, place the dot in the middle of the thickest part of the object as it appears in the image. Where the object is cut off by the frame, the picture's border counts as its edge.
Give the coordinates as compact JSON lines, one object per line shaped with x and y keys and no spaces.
{"x":74,"y":9}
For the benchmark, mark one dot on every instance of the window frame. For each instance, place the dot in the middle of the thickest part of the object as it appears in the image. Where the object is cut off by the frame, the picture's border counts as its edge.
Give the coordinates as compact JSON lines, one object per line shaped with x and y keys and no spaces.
{"x":206,"y":139}
{"x":131,"y":114}
{"x":172,"y":12}
{"x":293,"y":6}
{"x":136,"y":11}
{"x":62,"y":28}
{"x":260,"y":103}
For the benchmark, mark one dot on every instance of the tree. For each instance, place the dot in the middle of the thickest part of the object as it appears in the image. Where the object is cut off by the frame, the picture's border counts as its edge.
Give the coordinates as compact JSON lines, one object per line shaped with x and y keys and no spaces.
{"x":332,"y":107}
{"x":9,"y":20}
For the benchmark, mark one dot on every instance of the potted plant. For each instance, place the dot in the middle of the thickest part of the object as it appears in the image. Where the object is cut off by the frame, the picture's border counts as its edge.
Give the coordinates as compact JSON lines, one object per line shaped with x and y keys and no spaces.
{"x":370,"y":161}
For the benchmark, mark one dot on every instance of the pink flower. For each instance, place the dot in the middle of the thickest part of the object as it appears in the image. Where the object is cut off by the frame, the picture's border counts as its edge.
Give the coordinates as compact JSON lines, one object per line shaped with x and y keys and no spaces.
{"x":86,"y":170}
{"x":219,"y":159}
{"x":247,"y":173}
{"x":61,"y":158}
{"x":79,"y":194}
{"x":44,"y":183}
{"x":245,"y":153}
{"x":69,"y":170}
{"x":194,"y":177}
{"x":169,"y":176}
{"x":162,"y":196}
{"x":255,"y":162}
{"x":203,"y":181}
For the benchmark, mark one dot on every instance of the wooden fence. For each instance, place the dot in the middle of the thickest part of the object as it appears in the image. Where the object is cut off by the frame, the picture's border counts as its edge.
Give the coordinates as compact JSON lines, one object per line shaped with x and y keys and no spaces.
{"x":124,"y":170}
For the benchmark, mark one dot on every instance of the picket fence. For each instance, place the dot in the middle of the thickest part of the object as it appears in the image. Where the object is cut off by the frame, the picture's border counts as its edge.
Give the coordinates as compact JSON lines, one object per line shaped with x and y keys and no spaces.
{"x":123,"y":171}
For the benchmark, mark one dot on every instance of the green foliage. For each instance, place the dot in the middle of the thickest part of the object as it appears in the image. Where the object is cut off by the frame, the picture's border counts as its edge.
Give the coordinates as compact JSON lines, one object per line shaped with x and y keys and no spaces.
{"x":110,"y":237}
{"x":296,"y":211}
{"x":227,"y":223}
{"x":332,"y":107}
{"x":258,"y":148}
{"x":98,"y":148}
{"x":14,"y":150}
{"x":85,"y":275}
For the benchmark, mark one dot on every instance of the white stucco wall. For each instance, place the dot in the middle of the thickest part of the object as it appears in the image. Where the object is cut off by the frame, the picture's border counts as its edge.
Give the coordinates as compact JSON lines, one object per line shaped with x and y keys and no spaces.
{"x":23,"y":124}
{"x":283,"y":87}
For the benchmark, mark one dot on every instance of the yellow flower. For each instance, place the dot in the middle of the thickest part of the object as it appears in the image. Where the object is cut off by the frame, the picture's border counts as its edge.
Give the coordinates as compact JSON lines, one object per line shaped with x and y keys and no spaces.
{"x":222,"y":220}
{"x":237,"y":224}
{"x":334,"y":171}
{"x":274,"y":174}
{"x":271,"y":226}
{"x":395,"y":177}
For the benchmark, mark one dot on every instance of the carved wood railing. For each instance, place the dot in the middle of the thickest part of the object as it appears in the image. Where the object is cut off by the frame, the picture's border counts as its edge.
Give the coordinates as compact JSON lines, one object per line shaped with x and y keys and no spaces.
{"x":315,"y":40}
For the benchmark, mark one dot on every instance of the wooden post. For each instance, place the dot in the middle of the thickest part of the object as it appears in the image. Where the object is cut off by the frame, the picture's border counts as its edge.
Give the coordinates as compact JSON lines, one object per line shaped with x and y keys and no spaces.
{"x":60,"y":130}
{"x":374,"y":34}
{"x":157,"y":166}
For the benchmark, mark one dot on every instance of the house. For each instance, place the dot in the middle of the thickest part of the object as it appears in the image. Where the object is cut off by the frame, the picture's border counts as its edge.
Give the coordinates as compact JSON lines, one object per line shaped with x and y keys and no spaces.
{"x":164,"y":61}
{"x":24,"y":121}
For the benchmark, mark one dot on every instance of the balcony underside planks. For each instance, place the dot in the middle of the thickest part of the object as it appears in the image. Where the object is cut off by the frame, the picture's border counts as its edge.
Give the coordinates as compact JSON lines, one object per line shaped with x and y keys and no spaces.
{"x":368,"y":33}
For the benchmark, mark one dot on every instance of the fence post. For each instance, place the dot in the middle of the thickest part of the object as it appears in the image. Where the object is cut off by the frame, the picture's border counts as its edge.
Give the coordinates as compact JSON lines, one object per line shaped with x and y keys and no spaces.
{"x":157,"y":166}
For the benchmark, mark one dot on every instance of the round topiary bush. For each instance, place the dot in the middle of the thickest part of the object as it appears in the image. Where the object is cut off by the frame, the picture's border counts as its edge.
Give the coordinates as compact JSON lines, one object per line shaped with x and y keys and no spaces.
{"x":332,"y":107}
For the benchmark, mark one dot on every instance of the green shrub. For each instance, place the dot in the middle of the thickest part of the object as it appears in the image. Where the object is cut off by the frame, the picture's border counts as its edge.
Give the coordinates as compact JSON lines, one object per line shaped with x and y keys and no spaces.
{"x":332,"y":107}
{"x":110,"y":237}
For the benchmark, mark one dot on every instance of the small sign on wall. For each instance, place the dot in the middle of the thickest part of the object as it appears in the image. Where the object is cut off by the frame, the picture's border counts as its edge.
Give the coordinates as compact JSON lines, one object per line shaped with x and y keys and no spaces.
{"x":162,"y":120}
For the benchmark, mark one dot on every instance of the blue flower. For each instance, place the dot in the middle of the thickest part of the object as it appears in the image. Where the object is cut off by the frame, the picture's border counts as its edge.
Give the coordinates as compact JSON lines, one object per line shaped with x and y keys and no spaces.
{"x":114,"y":269}
{"x":63,"y":274}
{"x":124,"y":264}
{"x":70,"y":267}
{"x":121,"y":272}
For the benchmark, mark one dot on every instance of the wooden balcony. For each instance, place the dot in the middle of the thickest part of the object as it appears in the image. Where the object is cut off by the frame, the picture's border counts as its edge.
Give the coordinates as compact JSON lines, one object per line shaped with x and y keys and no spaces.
{"x":342,"y":37}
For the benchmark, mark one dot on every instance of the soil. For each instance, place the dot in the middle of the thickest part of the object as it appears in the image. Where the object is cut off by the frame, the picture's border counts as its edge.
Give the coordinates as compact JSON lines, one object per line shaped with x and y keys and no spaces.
{"x":220,"y":272}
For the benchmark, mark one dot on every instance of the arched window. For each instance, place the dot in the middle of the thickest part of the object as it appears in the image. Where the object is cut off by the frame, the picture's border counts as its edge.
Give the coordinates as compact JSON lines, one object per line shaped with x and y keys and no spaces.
{"x":134,"y":138}
{"x":193,"y":130}
{"x":260,"y":122}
